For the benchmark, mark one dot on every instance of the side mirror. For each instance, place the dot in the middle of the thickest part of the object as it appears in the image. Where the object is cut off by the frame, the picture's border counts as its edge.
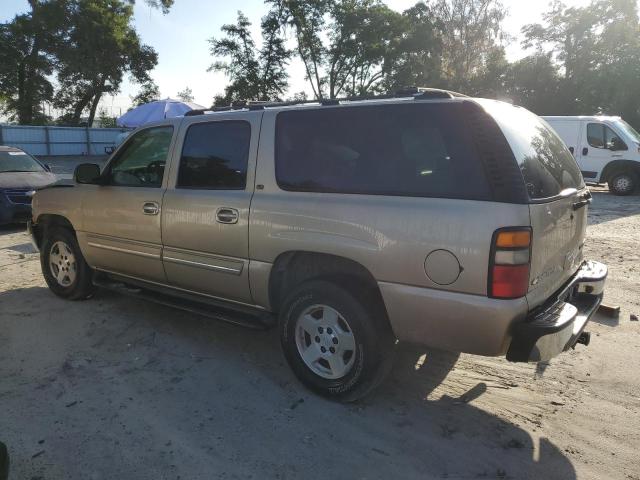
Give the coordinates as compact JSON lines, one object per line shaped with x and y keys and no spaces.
{"x":87,"y":173}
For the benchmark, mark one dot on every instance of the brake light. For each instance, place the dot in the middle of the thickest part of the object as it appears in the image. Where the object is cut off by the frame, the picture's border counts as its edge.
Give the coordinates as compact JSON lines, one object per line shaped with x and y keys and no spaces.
{"x":509,"y":263}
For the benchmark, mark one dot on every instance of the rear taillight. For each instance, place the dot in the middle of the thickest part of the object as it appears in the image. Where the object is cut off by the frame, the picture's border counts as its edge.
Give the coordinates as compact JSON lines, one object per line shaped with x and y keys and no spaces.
{"x":509,"y":263}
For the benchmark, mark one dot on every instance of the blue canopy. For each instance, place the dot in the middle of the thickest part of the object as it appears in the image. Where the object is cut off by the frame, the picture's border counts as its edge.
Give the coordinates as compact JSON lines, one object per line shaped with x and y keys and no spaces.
{"x":154,"y":111}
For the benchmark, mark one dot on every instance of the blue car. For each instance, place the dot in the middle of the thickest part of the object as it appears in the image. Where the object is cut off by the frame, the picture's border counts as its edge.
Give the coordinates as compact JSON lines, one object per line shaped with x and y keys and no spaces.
{"x":20,"y":176}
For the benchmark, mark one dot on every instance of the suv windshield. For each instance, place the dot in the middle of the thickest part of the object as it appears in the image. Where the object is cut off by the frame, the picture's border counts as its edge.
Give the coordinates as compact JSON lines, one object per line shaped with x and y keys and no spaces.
{"x":545,"y":161}
{"x":18,"y":162}
{"x":628,"y":129}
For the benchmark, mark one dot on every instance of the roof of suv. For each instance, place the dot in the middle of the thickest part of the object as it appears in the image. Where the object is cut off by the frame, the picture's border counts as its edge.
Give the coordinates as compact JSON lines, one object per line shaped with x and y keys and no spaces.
{"x":402,"y":95}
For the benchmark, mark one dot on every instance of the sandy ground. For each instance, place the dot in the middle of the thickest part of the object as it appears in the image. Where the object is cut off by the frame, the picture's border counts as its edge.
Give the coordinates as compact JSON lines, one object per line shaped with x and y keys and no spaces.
{"x":114,"y":388}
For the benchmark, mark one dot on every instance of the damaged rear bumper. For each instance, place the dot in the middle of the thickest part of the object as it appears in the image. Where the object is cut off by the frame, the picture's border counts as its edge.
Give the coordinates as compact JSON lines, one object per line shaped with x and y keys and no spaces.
{"x":558,"y":325}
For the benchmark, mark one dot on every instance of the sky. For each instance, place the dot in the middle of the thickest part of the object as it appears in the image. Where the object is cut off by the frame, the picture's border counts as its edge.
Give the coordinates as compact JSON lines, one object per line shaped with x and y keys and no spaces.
{"x":180,"y":38}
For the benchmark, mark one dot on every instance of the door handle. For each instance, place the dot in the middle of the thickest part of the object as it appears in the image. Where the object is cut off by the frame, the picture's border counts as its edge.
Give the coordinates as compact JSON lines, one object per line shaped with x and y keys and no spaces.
{"x":584,"y":199}
{"x":585,"y":151}
{"x":150,"y":208}
{"x":227,"y":215}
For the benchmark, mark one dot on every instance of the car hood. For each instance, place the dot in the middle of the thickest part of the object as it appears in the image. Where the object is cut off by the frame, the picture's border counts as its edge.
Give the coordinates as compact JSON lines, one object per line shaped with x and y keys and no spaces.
{"x":32,"y":180}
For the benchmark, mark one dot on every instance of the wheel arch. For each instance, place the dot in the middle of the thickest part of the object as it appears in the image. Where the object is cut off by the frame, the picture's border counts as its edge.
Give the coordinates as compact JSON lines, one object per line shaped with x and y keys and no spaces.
{"x":616,"y":166}
{"x":294,"y":267}
{"x":46,"y":221}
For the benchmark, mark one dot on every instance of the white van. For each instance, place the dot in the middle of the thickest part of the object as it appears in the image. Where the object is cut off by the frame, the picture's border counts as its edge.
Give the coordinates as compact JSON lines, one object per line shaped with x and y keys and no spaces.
{"x":607,"y":150}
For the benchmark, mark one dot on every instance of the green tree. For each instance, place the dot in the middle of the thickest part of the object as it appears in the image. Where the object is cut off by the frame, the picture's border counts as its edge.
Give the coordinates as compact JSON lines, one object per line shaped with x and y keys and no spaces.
{"x":186,"y":95}
{"x":534,"y":83}
{"x":106,"y":120}
{"x":416,"y":58}
{"x":471,"y":36}
{"x":28,"y":48}
{"x":345,"y":45}
{"x":102,"y":47}
{"x":597,"y":52}
{"x":32,"y":46}
{"x":149,"y":92}
{"x":254,"y":74}
{"x":364,"y":35}
{"x":164,"y":5}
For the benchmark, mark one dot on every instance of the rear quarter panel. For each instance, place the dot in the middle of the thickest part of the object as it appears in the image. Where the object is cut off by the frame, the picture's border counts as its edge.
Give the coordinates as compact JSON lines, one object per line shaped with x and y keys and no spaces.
{"x":390,"y":236}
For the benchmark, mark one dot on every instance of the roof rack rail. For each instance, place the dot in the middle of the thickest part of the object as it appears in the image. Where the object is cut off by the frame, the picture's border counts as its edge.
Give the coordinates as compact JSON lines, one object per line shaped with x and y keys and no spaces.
{"x":418,"y":93}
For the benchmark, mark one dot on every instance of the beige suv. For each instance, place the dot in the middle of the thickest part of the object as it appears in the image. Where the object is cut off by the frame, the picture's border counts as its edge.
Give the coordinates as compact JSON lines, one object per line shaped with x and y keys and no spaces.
{"x":425,"y":217}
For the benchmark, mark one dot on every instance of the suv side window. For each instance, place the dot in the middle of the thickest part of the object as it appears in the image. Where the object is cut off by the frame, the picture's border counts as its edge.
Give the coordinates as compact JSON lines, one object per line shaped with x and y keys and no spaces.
{"x":215,"y":156}
{"x":601,"y":136}
{"x":414,"y":150}
{"x":141,"y":162}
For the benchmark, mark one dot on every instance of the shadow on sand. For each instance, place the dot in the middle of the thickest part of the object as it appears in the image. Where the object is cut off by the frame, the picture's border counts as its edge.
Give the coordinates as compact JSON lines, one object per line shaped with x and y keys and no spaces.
{"x":128,"y":389}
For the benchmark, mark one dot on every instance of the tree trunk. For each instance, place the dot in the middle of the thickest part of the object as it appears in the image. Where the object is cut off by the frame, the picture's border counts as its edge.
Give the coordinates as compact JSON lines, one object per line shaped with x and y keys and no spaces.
{"x":79,"y":108}
{"x":22,"y":113}
{"x":94,"y":107}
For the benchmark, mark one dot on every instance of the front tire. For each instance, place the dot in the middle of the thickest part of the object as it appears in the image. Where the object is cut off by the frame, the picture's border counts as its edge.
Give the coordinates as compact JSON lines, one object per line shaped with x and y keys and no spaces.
{"x":623,"y":183}
{"x":63,"y":266}
{"x":337,"y":341}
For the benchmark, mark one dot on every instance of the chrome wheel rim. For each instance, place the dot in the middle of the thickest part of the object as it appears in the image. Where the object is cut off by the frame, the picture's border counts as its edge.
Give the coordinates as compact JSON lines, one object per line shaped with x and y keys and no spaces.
{"x":62,"y":263}
{"x":622,"y":184}
{"x":325,"y":341}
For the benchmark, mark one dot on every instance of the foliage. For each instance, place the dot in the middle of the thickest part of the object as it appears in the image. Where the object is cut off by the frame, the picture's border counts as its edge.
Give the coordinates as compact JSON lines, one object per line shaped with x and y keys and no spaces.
{"x":105,"y":120}
{"x":186,"y":95}
{"x":149,"y":92}
{"x":417,"y":55}
{"x":534,"y":83}
{"x":596,"y":50}
{"x":254,"y":74}
{"x":101,"y":47}
{"x":86,"y":45}
{"x":164,"y":5}
{"x":471,"y":33}
{"x":28,"y":48}
{"x":345,"y":46}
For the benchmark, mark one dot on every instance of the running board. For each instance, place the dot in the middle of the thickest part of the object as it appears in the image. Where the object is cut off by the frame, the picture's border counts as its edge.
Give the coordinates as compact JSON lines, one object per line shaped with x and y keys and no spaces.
{"x":244,"y":316}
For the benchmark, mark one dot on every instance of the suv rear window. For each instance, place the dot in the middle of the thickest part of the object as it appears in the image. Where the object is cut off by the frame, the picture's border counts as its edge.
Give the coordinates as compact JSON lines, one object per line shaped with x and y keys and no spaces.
{"x":420,"y":150}
{"x":545,"y":161}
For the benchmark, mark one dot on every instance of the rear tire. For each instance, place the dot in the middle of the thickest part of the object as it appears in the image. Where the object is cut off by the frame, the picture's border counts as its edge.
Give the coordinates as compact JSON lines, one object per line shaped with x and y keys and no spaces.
{"x":623,"y":183}
{"x":337,"y":341}
{"x":63,"y":266}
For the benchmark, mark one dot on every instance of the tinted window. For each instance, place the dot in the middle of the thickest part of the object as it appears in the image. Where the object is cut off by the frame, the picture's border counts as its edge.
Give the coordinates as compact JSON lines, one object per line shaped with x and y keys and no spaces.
{"x":141,"y":162}
{"x":545,"y":161}
{"x":416,"y":149}
{"x":601,"y":136}
{"x":214,"y":156}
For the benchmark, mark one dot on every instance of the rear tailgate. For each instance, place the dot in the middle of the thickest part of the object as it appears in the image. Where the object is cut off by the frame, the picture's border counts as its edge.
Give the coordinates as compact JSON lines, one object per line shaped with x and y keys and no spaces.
{"x":557,"y":197}
{"x":556,"y":248}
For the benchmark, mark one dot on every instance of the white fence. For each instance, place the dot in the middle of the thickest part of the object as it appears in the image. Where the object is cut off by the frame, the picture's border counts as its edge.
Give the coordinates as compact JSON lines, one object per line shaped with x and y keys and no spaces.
{"x":59,"y":140}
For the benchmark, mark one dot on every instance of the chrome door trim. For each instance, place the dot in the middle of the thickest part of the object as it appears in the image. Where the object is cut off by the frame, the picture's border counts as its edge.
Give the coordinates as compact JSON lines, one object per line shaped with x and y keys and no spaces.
{"x":124,"y":250}
{"x":173,"y":287}
{"x":190,"y":263}
{"x":124,"y":245}
{"x":202,"y":260}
